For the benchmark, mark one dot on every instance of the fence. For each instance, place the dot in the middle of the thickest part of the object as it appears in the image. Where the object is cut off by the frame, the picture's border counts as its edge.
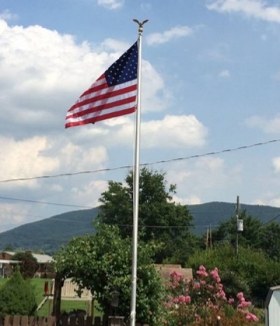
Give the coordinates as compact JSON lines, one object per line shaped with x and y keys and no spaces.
{"x":49,"y":321}
{"x":65,"y":321}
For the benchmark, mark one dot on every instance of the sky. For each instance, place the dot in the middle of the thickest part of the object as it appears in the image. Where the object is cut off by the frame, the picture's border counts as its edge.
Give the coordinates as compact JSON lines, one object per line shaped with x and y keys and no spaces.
{"x":210,"y":101}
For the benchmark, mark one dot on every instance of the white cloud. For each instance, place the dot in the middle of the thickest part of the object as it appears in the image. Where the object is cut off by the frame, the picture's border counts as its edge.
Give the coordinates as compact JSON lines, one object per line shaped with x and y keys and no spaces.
{"x":14,"y":214}
{"x":111,"y":4}
{"x":265,"y":124}
{"x":170,"y":132}
{"x":166,"y":36}
{"x":7,"y":15}
{"x":26,"y":158}
{"x":174,"y":132}
{"x":276,"y":164}
{"x":192,"y":200}
{"x":110,"y":44}
{"x":196,"y":179}
{"x":266,"y":201}
{"x":210,"y":164}
{"x":251,"y":8}
{"x":79,"y":158}
{"x":155,"y":97}
{"x":275,"y":202}
{"x":7,"y":213}
{"x":90,"y":193}
{"x":203,"y":172}
{"x":224,"y":74}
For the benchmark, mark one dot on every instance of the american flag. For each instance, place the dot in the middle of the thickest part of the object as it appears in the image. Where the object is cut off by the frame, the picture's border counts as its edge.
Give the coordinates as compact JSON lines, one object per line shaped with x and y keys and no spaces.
{"x":112,"y":95}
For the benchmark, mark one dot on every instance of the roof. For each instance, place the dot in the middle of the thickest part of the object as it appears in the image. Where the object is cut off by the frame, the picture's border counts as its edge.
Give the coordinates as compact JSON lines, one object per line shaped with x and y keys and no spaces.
{"x":270,"y":293}
{"x":8,"y":261}
{"x":41,"y":259}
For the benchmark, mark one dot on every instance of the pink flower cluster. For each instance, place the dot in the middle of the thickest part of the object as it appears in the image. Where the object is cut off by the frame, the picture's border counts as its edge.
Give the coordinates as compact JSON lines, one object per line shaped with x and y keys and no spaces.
{"x":182,"y":299}
{"x":215,"y":274}
{"x":187,"y":299}
{"x":202,"y":271}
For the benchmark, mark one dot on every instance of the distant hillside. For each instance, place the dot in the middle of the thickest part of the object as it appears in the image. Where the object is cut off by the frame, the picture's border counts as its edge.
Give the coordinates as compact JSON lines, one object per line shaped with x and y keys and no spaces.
{"x":51,"y":233}
{"x":216,"y":212}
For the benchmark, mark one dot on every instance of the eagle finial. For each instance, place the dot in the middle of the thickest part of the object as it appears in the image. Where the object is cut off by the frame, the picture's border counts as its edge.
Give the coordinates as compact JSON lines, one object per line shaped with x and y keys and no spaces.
{"x":140,"y":24}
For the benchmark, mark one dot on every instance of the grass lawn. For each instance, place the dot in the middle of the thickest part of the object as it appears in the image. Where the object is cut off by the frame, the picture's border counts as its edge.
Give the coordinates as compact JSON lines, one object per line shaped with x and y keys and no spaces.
{"x":66,"y":305}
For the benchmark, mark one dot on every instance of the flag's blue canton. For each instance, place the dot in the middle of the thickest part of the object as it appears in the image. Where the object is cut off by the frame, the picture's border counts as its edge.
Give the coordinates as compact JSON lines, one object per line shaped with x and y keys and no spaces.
{"x":124,"y":69}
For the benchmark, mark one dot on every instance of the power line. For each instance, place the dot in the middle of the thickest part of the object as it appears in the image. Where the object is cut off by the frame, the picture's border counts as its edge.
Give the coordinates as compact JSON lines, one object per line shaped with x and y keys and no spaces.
{"x":167,"y":226}
{"x":143,"y":164}
{"x":274,"y":218}
{"x":43,"y":202}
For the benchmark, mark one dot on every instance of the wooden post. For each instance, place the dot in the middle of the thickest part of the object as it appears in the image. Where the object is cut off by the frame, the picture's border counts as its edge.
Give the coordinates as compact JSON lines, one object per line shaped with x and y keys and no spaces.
{"x":58,"y":284}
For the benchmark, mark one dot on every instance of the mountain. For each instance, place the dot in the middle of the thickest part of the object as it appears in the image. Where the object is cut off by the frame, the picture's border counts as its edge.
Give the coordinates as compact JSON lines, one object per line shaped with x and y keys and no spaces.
{"x":51,"y":233}
{"x":216,"y":212}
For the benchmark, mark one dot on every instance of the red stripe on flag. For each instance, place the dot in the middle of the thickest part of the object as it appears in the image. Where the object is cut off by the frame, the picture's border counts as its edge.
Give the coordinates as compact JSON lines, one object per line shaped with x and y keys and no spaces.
{"x":111,"y":92}
{"x":103,"y":106}
{"x":100,"y":118}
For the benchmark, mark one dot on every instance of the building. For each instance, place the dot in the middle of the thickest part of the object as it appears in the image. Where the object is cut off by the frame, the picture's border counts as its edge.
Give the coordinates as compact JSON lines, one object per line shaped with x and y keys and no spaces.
{"x":272,"y":307}
{"x":165,"y":270}
{"x":6,"y":267}
{"x":6,"y":263}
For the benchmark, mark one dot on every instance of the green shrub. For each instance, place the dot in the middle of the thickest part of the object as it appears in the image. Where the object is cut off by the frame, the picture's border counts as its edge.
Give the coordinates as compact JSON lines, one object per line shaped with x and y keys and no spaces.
{"x":17,"y":297}
{"x":251,"y":272}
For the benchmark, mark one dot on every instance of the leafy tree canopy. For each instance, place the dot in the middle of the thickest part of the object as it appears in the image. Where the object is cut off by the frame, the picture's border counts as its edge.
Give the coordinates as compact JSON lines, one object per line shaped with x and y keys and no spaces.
{"x":9,"y":248}
{"x":160,"y":218}
{"x":255,"y":234}
{"x":269,"y":240}
{"x":28,"y":263}
{"x":251,"y":272}
{"x":102,"y":263}
{"x":226,"y":231}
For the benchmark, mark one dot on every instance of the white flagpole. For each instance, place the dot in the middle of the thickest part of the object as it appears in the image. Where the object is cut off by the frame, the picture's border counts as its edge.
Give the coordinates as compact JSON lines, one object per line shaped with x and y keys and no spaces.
{"x":136,"y":180}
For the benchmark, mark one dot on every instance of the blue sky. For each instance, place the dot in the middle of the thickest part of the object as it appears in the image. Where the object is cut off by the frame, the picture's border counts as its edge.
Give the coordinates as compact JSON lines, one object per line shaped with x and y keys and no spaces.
{"x":211,"y":81}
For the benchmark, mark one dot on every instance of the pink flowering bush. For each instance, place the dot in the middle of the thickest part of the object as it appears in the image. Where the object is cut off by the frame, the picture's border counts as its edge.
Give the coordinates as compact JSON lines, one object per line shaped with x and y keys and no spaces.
{"x":202,"y":301}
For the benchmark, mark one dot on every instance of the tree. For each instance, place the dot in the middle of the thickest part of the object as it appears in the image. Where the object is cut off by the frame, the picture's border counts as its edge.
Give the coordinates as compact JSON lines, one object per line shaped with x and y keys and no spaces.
{"x":251,"y":272}
{"x":226,"y":231}
{"x":160,"y":218}
{"x":17,"y":297}
{"x":28,"y":263}
{"x":102,"y":263}
{"x":265,"y":237}
{"x":8,"y":248}
{"x":270,"y":240}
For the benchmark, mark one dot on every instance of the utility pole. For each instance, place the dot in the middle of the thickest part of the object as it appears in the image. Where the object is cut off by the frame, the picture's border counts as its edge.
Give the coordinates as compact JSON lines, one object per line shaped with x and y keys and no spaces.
{"x":207,"y":238}
{"x":237,"y":217}
{"x":210,"y":236}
